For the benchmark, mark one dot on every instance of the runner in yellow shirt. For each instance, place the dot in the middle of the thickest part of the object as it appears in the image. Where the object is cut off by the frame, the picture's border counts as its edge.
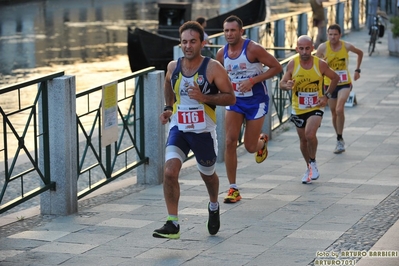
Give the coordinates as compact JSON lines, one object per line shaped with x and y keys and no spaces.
{"x":304,"y":77}
{"x":335,"y":53}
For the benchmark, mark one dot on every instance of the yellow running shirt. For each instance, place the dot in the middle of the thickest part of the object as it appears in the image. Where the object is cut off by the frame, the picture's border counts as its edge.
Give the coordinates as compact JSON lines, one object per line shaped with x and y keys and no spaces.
{"x":338,"y":61}
{"x":308,"y":87}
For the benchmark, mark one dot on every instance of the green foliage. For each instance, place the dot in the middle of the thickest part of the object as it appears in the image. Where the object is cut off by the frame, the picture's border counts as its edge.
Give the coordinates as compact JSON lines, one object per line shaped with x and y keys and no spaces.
{"x":395,"y":26}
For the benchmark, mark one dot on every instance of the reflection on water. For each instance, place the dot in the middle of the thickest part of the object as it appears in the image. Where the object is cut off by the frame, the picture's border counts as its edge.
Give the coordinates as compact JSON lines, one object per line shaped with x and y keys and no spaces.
{"x":43,"y":33}
{"x":39,"y":33}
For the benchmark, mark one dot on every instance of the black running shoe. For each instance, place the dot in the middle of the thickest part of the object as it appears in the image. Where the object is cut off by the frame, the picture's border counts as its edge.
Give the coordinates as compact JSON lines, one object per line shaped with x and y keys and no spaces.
{"x":213,"y":223}
{"x":169,"y":230}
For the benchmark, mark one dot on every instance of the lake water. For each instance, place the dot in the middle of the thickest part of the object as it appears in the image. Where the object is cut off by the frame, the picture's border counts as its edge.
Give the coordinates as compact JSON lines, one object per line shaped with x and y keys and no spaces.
{"x":79,"y":36}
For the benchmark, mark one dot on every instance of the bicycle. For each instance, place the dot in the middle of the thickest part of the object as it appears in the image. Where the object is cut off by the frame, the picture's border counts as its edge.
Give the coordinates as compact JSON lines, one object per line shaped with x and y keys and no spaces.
{"x":376,"y":31}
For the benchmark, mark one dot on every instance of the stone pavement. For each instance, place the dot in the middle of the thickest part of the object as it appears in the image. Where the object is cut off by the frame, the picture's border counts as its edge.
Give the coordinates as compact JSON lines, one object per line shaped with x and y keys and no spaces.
{"x":352,"y":209}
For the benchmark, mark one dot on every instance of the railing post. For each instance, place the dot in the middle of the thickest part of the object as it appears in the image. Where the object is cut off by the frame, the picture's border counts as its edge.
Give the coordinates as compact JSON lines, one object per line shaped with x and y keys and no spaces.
{"x":323,"y":34}
{"x":253,"y":33}
{"x":221,"y":40}
{"x":355,"y":14}
{"x":340,"y":15}
{"x":267,"y":124}
{"x":394,"y":9}
{"x":221,"y":134}
{"x":177,"y":52}
{"x":372,"y":7}
{"x":383,"y":5}
{"x":62,"y":147}
{"x":154,"y":131}
{"x":279,"y":37}
{"x":303,"y":24}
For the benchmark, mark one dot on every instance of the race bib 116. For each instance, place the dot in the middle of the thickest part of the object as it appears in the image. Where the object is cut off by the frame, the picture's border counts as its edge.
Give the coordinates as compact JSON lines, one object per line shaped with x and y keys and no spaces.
{"x":191,"y":117}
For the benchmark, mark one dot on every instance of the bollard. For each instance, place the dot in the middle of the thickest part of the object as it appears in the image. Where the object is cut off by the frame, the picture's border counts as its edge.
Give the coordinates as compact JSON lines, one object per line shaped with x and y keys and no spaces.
{"x":154,"y":131}
{"x":267,"y":124}
{"x":339,"y":19}
{"x":303,"y":24}
{"x":279,"y":38}
{"x":220,"y":132}
{"x":355,"y":14}
{"x":62,"y":147}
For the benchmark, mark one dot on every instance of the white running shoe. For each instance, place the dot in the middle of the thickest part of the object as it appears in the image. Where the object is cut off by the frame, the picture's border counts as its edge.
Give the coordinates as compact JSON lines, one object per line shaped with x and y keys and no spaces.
{"x":340,"y":148}
{"x":313,"y":171}
{"x":306,"y":179}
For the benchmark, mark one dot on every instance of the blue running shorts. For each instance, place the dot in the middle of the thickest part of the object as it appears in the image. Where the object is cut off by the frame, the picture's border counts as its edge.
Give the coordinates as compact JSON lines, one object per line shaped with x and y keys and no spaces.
{"x":250,"y":112}
{"x":203,"y":145}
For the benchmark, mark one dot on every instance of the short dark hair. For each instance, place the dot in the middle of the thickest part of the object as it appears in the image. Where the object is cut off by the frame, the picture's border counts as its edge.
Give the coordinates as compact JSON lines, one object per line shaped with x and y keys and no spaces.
{"x":192,"y":25}
{"x":233,"y":18}
{"x":335,"y":27}
{"x":200,"y":20}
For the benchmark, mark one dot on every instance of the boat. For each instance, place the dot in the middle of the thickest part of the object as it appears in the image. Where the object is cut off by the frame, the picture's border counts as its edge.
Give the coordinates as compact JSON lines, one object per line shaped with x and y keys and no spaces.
{"x":147,"y":49}
{"x":250,"y":13}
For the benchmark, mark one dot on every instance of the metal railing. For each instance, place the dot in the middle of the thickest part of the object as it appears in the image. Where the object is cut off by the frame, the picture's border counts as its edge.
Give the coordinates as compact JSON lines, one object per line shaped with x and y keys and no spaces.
{"x":279,"y":36}
{"x":282,"y":31}
{"x":23,"y":145}
{"x":98,"y":165}
{"x":20,"y":142}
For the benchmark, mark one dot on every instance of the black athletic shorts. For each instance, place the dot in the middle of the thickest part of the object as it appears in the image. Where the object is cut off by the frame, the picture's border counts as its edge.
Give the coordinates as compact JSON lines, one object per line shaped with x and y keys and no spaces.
{"x":300,"y":120}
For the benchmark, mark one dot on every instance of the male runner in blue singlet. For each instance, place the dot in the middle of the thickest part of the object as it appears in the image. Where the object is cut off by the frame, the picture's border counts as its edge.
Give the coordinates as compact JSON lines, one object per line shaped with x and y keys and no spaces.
{"x":245,"y":61}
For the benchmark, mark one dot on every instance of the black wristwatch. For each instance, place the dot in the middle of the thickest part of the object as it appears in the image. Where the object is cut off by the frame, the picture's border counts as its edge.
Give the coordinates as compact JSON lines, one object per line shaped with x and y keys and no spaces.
{"x":328,"y":95}
{"x":358,"y":70}
{"x":168,"y":108}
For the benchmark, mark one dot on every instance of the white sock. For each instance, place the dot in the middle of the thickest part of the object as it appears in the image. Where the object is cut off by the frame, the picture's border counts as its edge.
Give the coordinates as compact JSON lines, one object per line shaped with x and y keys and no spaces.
{"x":213,"y":206}
{"x":233,"y":186}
